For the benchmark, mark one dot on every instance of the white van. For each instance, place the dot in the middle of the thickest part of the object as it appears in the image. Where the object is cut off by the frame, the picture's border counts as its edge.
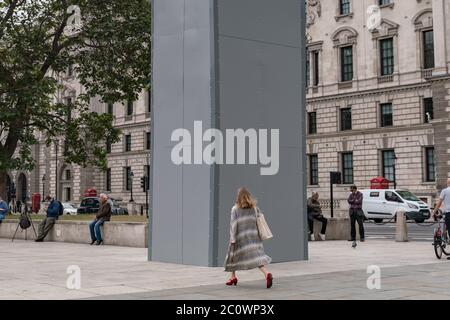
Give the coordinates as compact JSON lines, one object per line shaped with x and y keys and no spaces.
{"x":379,"y":204}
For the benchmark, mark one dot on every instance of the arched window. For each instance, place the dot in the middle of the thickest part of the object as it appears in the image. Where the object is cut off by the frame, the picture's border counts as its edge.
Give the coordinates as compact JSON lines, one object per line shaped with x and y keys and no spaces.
{"x":8,"y":188}
{"x":344,"y":41}
{"x":22,"y":188}
{"x":65,"y":183}
{"x":423,"y":24}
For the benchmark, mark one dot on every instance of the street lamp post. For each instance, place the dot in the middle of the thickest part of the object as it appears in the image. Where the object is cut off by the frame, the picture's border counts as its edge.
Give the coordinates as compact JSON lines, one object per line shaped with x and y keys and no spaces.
{"x":394,"y":173}
{"x":56,"y":169}
{"x":131,"y":186}
{"x":43,"y":187}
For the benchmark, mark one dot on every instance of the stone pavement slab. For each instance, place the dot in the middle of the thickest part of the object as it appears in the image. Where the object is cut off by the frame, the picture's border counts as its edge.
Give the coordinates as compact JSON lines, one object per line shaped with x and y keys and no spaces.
{"x":39,"y":271}
{"x":329,"y":287}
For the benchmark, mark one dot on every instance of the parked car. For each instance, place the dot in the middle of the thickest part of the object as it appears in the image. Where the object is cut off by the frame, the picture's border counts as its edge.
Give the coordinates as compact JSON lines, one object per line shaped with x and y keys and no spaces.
{"x":91,"y":205}
{"x":379,"y":204}
{"x":69,"y":209}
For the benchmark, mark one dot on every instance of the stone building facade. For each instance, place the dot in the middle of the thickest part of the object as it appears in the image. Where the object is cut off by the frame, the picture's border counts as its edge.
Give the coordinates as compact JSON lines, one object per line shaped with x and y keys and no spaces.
{"x":378,"y":104}
{"x":378,"y":95}
{"x":128,"y":159}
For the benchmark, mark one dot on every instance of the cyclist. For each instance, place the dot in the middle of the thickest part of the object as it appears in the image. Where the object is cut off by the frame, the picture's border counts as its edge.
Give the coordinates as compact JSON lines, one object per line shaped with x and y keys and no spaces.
{"x":444,"y":198}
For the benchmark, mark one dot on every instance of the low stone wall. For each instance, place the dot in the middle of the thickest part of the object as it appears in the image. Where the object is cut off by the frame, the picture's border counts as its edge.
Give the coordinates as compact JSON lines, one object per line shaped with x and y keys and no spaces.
{"x":133,"y":234}
{"x":337,"y":229}
{"x":126,"y":234}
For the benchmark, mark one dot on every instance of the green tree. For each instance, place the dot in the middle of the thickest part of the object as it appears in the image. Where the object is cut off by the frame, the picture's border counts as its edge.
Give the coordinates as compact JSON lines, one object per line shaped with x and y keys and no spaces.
{"x":109,"y":48}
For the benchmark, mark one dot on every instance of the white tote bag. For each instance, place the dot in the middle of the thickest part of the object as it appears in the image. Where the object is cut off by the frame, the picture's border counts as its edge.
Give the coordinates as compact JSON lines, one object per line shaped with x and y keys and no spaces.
{"x":263,"y":227}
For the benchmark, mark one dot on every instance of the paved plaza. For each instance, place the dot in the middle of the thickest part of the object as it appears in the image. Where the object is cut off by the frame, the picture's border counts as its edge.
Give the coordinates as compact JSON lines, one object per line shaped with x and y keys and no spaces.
{"x":423,"y":282}
{"x":335,"y":271}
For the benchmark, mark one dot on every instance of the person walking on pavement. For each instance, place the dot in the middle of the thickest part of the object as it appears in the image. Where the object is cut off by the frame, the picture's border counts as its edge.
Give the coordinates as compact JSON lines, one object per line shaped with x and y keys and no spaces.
{"x":314,"y":211}
{"x":104,"y":214}
{"x":355,"y":201}
{"x":444,"y":199}
{"x":54,"y":210}
{"x":245,"y":250}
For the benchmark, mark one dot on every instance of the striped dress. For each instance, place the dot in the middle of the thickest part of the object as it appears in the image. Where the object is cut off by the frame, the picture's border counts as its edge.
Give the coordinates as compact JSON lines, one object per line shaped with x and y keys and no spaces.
{"x":248,"y":252}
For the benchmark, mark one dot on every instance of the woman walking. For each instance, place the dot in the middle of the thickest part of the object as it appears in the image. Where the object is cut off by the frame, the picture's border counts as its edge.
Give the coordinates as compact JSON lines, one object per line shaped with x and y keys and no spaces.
{"x":246,"y":250}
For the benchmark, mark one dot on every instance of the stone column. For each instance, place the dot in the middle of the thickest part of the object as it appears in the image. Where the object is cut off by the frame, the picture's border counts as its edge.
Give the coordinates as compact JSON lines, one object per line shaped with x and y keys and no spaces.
{"x":440,"y":41}
{"x":52,"y":171}
{"x":441,"y":126}
{"x":441,"y":90}
{"x":228,"y":64}
{"x":447,"y":32}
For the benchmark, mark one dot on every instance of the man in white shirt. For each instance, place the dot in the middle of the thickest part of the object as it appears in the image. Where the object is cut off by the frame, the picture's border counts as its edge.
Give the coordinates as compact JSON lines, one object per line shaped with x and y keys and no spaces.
{"x":444,"y":199}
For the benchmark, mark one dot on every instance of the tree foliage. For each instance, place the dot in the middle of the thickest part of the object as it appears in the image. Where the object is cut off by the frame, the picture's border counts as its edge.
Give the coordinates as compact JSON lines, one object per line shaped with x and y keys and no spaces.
{"x":109,"y":53}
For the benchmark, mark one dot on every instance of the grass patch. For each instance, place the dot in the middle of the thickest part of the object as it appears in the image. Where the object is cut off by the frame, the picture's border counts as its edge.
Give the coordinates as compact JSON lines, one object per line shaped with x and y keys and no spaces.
{"x":84,"y":217}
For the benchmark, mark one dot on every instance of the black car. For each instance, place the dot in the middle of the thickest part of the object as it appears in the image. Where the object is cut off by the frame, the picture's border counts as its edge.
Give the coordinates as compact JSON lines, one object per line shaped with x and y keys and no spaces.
{"x":91,"y":205}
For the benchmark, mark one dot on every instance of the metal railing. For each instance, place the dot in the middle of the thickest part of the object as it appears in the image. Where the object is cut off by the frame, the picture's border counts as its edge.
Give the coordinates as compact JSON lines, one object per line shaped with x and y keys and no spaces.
{"x":326,"y":204}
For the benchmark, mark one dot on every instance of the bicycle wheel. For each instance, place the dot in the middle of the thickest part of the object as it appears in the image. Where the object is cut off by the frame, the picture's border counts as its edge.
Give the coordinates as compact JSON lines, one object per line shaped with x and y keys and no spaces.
{"x":438,"y":248}
{"x":445,"y":245}
{"x":445,"y":248}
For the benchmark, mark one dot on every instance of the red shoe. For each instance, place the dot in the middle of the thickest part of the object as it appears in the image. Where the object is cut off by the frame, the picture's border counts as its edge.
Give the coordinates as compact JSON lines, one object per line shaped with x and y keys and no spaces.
{"x":269,"y":280}
{"x":232,"y":282}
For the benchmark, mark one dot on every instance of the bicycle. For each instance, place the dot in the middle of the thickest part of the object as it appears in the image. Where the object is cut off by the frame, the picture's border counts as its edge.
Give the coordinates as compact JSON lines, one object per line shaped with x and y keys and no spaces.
{"x":440,"y":239}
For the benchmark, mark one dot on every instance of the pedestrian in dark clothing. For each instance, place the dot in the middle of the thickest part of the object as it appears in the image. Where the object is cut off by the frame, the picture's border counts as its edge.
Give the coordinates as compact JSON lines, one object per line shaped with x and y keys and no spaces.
{"x":53,"y":211}
{"x":19,"y":206}
{"x":315,"y":213}
{"x":355,"y":201}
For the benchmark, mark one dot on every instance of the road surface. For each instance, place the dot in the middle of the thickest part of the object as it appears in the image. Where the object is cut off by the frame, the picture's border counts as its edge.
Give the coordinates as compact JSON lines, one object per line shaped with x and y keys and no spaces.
{"x":422,"y":232}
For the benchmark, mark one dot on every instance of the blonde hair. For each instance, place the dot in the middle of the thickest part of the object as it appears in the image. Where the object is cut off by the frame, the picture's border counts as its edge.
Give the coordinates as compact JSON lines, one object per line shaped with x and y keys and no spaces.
{"x":245,"y":199}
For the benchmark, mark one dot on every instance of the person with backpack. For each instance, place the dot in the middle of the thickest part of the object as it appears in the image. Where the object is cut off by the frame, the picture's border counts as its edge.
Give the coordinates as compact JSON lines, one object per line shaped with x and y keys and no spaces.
{"x":54,"y":210}
{"x":4,"y":209}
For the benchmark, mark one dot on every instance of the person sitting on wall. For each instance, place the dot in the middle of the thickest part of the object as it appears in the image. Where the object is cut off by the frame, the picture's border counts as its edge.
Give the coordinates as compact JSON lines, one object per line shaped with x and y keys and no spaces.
{"x":4,"y":209}
{"x":54,"y":210}
{"x":104,"y":214}
{"x":315,"y":213}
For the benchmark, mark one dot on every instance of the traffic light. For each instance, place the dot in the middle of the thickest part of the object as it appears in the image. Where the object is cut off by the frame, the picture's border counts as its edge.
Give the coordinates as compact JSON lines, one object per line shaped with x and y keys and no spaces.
{"x":144,"y":184}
